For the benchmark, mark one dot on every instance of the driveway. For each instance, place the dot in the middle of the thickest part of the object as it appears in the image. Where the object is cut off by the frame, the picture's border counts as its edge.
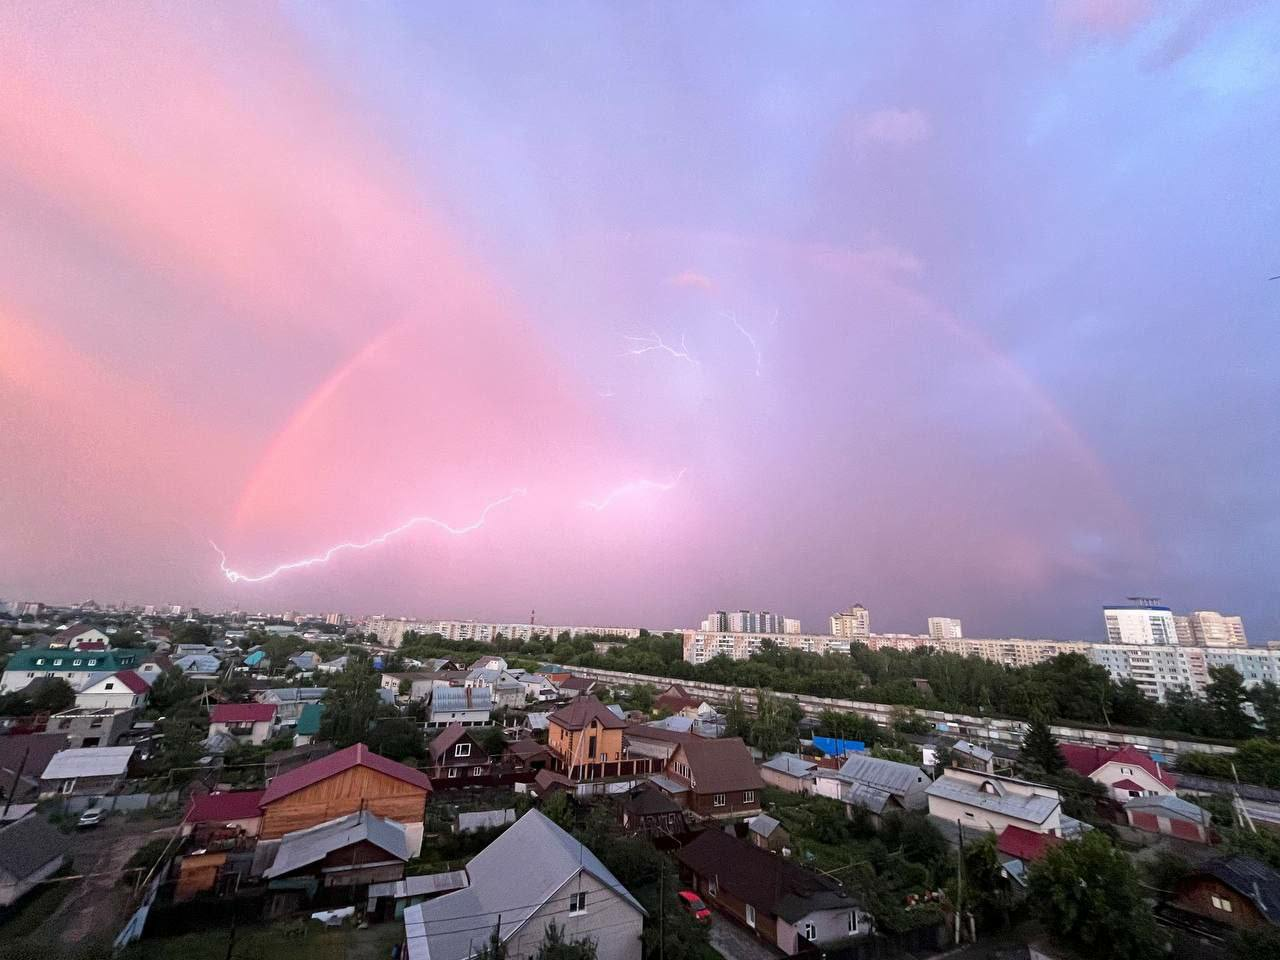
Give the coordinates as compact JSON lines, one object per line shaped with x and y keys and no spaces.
{"x":737,"y":943}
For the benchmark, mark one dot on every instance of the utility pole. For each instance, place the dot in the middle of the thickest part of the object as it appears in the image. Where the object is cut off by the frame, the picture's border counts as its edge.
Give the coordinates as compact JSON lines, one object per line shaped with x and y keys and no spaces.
{"x":662,"y":911}
{"x":959,"y":879}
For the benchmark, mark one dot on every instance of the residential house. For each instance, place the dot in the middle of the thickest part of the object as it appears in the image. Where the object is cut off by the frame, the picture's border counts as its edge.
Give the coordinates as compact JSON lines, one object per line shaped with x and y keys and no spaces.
{"x":526,"y":756}
{"x":1170,"y":815}
{"x":458,"y":759}
{"x":251,"y":723}
{"x":786,"y":905}
{"x":23,"y":758}
{"x":119,"y":691}
{"x":80,"y":636}
{"x":536,"y":687}
{"x":571,"y":687}
{"x":93,"y":726}
{"x":419,"y":683}
{"x":506,"y":690}
{"x":713,"y":778}
{"x":874,"y":785}
{"x":350,"y":851}
{"x":199,"y":666}
{"x":648,"y":810}
{"x":79,"y":668}
{"x":490,"y":663}
{"x":307,"y":728}
{"x":653,"y":740}
{"x":584,"y":732}
{"x":790,"y":772}
{"x":306,"y":662}
{"x":237,"y":812}
{"x":1235,"y":891}
{"x":767,"y":833}
{"x":450,"y":703}
{"x":970,"y":756}
{"x":1126,"y":773}
{"x":31,"y":850}
{"x":676,"y":700}
{"x":86,"y":771}
{"x":336,"y":665}
{"x":342,"y":783}
{"x":984,"y":801}
{"x":196,"y":650}
{"x":558,"y":880}
{"x":290,"y":701}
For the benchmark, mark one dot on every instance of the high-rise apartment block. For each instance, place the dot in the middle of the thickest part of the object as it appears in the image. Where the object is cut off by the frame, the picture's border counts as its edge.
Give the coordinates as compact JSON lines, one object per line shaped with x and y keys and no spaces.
{"x":945,"y":628}
{"x":790,"y":625}
{"x":852,"y":624}
{"x":1140,"y":624}
{"x":748,"y":621}
{"x":1208,"y":628}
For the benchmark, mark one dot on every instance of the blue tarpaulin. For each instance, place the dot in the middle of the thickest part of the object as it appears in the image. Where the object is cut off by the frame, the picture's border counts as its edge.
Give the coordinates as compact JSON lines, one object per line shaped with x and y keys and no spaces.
{"x":834,"y":747}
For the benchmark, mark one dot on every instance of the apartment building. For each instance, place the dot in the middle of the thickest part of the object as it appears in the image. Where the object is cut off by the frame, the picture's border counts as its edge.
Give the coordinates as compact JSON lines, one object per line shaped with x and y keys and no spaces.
{"x":391,"y":632}
{"x":852,"y":624}
{"x":701,"y":645}
{"x":945,"y":628}
{"x":1157,"y":669}
{"x":1140,"y":624}
{"x":1208,"y":628}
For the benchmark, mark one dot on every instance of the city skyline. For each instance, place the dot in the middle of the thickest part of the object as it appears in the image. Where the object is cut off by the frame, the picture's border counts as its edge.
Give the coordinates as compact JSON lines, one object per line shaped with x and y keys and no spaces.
{"x":802,"y":310}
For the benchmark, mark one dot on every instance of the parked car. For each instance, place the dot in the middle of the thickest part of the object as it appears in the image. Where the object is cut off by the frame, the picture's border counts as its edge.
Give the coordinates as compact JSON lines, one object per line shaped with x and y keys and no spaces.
{"x":694,"y":906}
{"x":91,"y":817}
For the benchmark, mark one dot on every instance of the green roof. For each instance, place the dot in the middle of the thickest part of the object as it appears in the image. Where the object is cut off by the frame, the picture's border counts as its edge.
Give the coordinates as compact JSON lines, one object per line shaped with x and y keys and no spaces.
{"x":44,"y":660}
{"x":309,"y":720}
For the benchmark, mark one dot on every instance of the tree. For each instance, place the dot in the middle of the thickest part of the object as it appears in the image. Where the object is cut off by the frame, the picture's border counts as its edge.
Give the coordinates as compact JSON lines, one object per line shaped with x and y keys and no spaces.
{"x":642,"y":697}
{"x":351,"y":703}
{"x":191,"y":633}
{"x":396,"y":738}
{"x":556,"y":807}
{"x":737,"y":723}
{"x":986,"y":891}
{"x":774,"y":728}
{"x":1040,"y":748}
{"x":1226,"y":697}
{"x":554,"y":946}
{"x":1087,"y":895}
{"x":171,"y":689}
{"x":52,"y":697}
{"x":1265,"y":698}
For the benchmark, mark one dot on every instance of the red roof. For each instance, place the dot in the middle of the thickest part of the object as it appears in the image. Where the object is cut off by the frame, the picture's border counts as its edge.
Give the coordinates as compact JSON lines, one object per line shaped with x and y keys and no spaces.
{"x":1088,"y":760}
{"x":356,"y":755}
{"x":242,"y":713}
{"x":1025,"y":844}
{"x":222,"y":807}
{"x":1126,"y":784}
{"x":131,"y":680}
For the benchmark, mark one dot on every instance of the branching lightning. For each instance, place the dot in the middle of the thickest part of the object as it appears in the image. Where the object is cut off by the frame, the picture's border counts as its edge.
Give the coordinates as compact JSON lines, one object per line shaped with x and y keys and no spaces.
{"x":634,"y":486}
{"x":236,"y":576}
{"x":655,"y":342}
{"x":755,"y":348}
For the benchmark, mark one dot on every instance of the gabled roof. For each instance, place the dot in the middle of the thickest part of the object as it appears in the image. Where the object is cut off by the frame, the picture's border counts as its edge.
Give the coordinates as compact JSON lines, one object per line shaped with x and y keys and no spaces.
{"x":304,"y":847}
{"x":576,"y":683}
{"x":547,"y":859}
{"x":887,"y":775}
{"x":133,"y":681}
{"x":973,"y":750}
{"x":721,"y":766}
{"x":29,"y":844}
{"x":647,"y":801}
{"x":769,"y":883}
{"x":1024,"y":844}
{"x":356,"y":755}
{"x":1127,"y":784}
{"x":449,"y":699}
{"x":446,"y":738}
{"x":656,"y":731}
{"x":1251,"y":878}
{"x":1032,"y":808}
{"x":763,"y":824}
{"x":242,"y":713}
{"x":1171,"y":806}
{"x":1087,"y":760}
{"x":581,"y":711}
{"x":224,"y":807}
{"x":76,"y":629}
{"x":791,"y":764}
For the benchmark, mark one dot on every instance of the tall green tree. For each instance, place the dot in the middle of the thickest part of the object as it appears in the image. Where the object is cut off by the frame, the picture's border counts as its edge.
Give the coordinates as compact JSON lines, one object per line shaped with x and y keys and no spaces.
{"x":1040,"y":747}
{"x":1226,"y":697}
{"x":1088,"y":896}
{"x":1265,"y":698}
{"x":737,"y":722}
{"x":351,"y":703}
{"x":775,"y":727}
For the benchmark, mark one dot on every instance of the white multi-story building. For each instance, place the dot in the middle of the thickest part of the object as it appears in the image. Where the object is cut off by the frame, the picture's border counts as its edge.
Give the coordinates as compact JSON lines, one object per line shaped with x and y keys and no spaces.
{"x":1140,"y":624}
{"x":1208,"y":628}
{"x":945,"y":628}
{"x":391,"y":632}
{"x":701,"y":645}
{"x":790,"y":625}
{"x":852,"y":624}
{"x":749,"y":621}
{"x":1157,"y":669}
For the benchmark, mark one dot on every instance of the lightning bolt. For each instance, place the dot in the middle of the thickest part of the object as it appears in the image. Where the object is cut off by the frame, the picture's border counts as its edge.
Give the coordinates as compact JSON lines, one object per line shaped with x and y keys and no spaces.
{"x":655,"y":342}
{"x":634,"y":486}
{"x":733,"y":318}
{"x":236,"y":576}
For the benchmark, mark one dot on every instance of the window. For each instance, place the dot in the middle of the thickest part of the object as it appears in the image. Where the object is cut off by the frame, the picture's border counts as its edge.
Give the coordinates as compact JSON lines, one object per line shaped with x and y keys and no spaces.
{"x":110,"y":686}
{"x":968,"y":814}
{"x":1220,"y":903}
{"x":577,"y":903}
{"x":810,"y":932}
{"x":751,"y":916}
{"x":748,"y":796}
{"x":713,"y":887}
{"x":462,"y":750}
{"x":477,"y":771}
{"x":58,"y":662}
{"x":76,"y":663}
{"x":453,"y":772}
{"x":717,"y":800}
{"x":40,"y":661}
{"x":853,"y":922}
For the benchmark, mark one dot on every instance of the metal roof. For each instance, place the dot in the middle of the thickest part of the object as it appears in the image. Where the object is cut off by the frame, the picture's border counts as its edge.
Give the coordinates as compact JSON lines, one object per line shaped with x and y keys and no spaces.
{"x":88,"y":762}
{"x":888,"y":775}
{"x":422,"y":885}
{"x":304,"y":847}
{"x":30,"y":844}
{"x":793,"y":765}
{"x":1032,"y":808}
{"x":763,"y":824}
{"x":511,"y":879}
{"x":1171,"y":806}
{"x":973,"y":750}
{"x":869,"y":798}
{"x":450,"y":699}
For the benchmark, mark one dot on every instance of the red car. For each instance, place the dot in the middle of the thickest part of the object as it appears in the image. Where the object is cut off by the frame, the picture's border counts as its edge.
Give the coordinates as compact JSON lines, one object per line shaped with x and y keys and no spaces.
{"x":694,"y":905}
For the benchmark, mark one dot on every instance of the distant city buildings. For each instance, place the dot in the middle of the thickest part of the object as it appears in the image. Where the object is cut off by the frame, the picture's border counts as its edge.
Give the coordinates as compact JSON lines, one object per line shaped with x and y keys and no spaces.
{"x":1141,"y":623}
{"x":945,"y":628}
{"x":1208,"y":628}
{"x":749,"y":621}
{"x":391,"y":632}
{"x":335,"y":619}
{"x":851,"y":624}
{"x":702,"y":645}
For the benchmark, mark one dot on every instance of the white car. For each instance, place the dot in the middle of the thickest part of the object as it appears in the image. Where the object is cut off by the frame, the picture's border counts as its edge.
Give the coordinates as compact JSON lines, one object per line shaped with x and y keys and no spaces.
{"x":91,"y":817}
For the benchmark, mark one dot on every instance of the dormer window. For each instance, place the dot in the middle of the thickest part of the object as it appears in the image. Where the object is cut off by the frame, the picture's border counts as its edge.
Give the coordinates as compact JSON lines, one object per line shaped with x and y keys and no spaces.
{"x":462,"y":750}
{"x":58,"y":662}
{"x":76,"y":663}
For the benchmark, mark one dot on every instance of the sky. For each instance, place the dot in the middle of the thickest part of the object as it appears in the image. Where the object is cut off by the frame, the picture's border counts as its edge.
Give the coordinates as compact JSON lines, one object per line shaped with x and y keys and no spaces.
{"x":625,"y":313}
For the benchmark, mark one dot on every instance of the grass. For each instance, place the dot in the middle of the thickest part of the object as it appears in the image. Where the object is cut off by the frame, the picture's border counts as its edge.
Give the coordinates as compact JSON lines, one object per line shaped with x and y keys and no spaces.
{"x":274,"y":941}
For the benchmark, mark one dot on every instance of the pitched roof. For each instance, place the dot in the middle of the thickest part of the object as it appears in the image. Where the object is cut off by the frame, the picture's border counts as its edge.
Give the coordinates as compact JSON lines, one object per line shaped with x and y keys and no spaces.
{"x":581,"y":711}
{"x":526,"y":749}
{"x":29,"y":844}
{"x":447,"y":737}
{"x":356,"y":755}
{"x":75,"y":630}
{"x":1086,"y":760}
{"x":972,"y":750}
{"x":1171,"y":806}
{"x":768,"y":882}
{"x":721,"y":766}
{"x":763,"y":824}
{"x":308,"y":724}
{"x":577,"y":683}
{"x":43,"y":660}
{"x":548,"y":858}
{"x":887,"y":775}
{"x":647,"y":801}
{"x":1127,"y":784}
{"x":1253,"y":879}
{"x":31,"y":751}
{"x":652,"y":731}
{"x":88,"y":762}
{"x":1024,"y":844}
{"x":450,"y":699}
{"x":242,"y":713}
{"x":791,"y":764}
{"x":1033,"y":808}
{"x":133,"y":681}
{"x":223,"y":807}
{"x":304,"y":847}
{"x":1132,"y":755}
